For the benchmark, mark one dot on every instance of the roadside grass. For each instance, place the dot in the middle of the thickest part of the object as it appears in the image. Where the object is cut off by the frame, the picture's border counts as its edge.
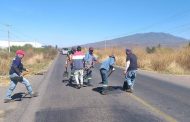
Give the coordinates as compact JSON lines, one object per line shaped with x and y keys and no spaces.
{"x":35,"y":60}
{"x":163,"y":60}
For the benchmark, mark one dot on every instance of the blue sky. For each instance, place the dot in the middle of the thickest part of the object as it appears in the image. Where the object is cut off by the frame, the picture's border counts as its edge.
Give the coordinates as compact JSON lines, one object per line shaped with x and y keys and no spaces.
{"x":73,"y":22}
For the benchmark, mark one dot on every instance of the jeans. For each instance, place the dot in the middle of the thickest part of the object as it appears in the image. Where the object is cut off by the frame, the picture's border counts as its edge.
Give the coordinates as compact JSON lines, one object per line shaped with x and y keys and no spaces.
{"x":13,"y":84}
{"x":130,"y":77}
{"x":104,"y":75}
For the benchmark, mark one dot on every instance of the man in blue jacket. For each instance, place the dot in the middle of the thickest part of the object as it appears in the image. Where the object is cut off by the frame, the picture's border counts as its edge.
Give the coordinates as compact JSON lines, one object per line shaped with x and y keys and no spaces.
{"x":16,"y":76}
{"x":105,"y":67}
{"x":89,"y":60}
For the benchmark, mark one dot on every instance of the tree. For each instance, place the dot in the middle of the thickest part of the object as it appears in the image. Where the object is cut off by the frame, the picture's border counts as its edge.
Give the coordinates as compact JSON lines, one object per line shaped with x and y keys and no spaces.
{"x":150,"y":50}
{"x":28,"y":46}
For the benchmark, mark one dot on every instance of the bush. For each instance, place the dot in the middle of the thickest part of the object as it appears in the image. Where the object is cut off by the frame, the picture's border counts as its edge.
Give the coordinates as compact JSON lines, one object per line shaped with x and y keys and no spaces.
{"x":32,"y":57}
{"x":183,"y":58}
{"x":150,"y":50}
{"x":157,"y":59}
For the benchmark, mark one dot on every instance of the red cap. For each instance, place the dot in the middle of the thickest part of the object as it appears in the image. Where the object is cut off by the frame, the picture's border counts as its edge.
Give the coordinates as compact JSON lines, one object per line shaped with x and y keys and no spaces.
{"x":21,"y":52}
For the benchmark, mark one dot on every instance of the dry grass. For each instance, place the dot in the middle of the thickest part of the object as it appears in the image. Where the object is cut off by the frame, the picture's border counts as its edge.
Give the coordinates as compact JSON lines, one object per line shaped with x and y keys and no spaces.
{"x":165,"y":60}
{"x":4,"y":63}
{"x":119,"y":55}
{"x":183,"y":58}
{"x":35,"y":60}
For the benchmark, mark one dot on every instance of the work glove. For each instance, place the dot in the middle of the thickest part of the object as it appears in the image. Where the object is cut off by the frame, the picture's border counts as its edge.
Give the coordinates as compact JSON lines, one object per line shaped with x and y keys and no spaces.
{"x":113,"y":69}
{"x":124,"y":72}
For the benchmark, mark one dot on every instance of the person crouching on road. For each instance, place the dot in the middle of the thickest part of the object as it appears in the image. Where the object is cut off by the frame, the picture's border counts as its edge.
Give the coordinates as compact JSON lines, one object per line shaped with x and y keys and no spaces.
{"x":78,"y":66}
{"x":130,"y":71}
{"x":89,"y":60}
{"x":105,"y":67}
{"x":16,"y":76}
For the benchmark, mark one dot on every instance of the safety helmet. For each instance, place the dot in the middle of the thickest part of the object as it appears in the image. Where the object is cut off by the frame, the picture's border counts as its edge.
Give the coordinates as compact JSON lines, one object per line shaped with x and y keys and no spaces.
{"x":21,"y":52}
{"x":128,"y":50}
{"x":91,"y":48}
{"x":79,"y":48}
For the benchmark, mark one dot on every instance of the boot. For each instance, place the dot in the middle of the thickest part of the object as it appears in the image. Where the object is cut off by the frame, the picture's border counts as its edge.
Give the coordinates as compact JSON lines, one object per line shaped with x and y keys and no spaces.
{"x":78,"y":86}
{"x":125,"y":86}
{"x":130,"y":89}
{"x":34,"y":94}
{"x":89,"y":83}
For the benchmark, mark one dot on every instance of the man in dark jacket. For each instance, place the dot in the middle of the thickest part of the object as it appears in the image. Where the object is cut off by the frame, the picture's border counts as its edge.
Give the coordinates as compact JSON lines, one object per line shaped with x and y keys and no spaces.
{"x":16,"y":76}
{"x":130,"y":71}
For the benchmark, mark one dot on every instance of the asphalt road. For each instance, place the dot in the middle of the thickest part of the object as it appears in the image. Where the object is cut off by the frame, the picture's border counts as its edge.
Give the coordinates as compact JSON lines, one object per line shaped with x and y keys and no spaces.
{"x":152,"y":100}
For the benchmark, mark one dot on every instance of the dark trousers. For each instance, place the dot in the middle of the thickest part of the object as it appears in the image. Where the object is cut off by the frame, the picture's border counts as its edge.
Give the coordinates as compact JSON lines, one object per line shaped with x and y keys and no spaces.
{"x":88,"y":75}
{"x":104,"y":76}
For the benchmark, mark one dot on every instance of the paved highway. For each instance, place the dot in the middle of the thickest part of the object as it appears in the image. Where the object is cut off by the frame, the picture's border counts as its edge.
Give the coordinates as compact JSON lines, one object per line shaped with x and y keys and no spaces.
{"x":152,"y":100}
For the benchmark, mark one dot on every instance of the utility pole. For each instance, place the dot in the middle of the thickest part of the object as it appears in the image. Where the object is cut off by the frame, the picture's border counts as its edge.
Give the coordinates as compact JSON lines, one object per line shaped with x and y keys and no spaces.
{"x":35,"y":44}
{"x":105,"y":46}
{"x":8,"y":35}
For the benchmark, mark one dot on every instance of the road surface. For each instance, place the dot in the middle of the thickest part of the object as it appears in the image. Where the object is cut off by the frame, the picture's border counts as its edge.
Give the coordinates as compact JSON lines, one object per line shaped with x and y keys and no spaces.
{"x":153,"y":100}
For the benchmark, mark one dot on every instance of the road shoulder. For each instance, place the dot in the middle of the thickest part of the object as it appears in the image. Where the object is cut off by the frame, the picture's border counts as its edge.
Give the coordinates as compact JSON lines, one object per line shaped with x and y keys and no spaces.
{"x":181,"y":80}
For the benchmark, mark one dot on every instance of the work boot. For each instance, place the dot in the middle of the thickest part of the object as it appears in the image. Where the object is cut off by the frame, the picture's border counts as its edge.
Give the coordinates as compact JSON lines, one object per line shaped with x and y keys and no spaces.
{"x":78,"y":86}
{"x":130,"y":89}
{"x":125,"y":86}
{"x":89,"y":83}
{"x":6,"y":100}
{"x":34,"y":94}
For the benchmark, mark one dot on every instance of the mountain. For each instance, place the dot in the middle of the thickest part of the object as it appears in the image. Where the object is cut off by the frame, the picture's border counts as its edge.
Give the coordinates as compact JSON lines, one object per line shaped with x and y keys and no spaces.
{"x":142,"y":40}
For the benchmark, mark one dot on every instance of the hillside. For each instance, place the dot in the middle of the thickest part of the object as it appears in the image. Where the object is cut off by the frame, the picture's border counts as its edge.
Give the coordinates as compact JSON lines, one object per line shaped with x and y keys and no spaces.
{"x":142,"y":40}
